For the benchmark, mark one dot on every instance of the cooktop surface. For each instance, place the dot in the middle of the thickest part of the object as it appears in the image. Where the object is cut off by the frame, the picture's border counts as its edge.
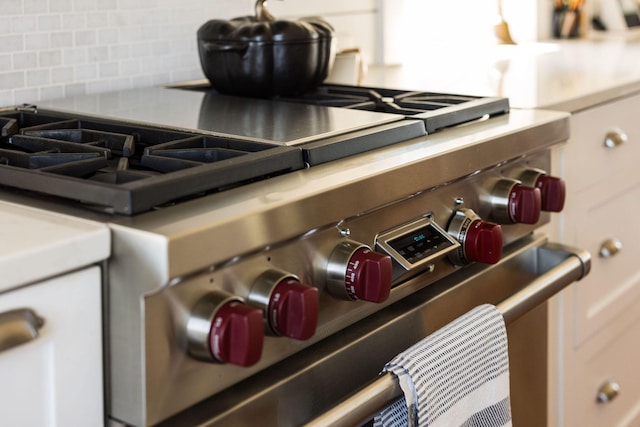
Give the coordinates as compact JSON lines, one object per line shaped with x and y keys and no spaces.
{"x":260,"y":120}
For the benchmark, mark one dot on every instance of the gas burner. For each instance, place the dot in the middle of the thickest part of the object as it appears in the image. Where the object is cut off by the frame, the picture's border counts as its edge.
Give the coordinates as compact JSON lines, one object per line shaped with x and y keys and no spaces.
{"x":125,"y":168}
{"x":438,"y":110}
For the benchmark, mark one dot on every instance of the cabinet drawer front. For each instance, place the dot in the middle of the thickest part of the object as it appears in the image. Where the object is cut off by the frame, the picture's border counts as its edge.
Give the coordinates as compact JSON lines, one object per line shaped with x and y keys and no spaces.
{"x":589,"y":160}
{"x":615,"y":363}
{"x":601,"y":218}
{"x":55,"y":378}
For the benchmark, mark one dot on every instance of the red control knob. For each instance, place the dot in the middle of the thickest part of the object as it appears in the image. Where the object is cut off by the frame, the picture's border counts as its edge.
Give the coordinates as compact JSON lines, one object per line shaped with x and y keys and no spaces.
{"x":481,"y":241}
{"x":291,"y":307}
{"x":552,"y":188}
{"x":525,"y":204}
{"x":355,"y":272}
{"x":553,"y":192}
{"x":222,"y":328}
{"x":237,"y":334}
{"x":513,"y":202}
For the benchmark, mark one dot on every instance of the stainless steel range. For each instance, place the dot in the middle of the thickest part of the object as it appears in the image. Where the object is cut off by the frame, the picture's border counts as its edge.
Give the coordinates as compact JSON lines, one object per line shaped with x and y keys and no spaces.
{"x":269,"y":256}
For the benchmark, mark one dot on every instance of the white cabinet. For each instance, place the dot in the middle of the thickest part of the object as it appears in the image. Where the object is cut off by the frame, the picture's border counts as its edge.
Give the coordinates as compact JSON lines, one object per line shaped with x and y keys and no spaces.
{"x":598,"y":334}
{"x":56,"y":378}
{"x":51,"y":370}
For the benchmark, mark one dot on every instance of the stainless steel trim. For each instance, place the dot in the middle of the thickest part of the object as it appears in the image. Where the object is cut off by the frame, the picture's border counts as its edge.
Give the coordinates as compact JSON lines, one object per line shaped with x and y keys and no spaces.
{"x":368,"y":401}
{"x":498,"y":199}
{"x":337,"y":267}
{"x":18,"y":327}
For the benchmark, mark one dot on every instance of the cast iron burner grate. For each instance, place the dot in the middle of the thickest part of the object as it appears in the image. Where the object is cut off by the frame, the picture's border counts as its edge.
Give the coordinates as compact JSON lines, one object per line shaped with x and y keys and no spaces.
{"x":437,"y":110}
{"x":127,"y":168}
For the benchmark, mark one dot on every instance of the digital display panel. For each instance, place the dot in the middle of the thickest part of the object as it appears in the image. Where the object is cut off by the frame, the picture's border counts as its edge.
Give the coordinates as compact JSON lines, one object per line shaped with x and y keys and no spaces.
{"x":420,"y":243}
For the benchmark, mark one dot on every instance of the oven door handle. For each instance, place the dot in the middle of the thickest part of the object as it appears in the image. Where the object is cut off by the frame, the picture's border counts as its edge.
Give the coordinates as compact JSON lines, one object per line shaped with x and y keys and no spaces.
{"x":562,"y":266}
{"x":18,"y":326}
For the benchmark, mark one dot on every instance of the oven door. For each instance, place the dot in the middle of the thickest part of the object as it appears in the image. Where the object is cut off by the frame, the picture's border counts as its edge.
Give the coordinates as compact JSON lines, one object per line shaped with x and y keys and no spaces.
{"x":336,"y":382}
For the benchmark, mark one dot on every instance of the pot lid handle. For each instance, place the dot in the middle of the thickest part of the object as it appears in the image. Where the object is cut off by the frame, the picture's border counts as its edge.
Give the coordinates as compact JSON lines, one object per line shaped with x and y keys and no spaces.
{"x":262,"y":14}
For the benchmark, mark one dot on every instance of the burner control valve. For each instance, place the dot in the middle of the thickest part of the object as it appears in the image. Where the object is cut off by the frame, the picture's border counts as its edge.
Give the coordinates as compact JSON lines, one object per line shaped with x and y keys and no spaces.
{"x":221,"y":328}
{"x":355,"y":272}
{"x":290,"y":307}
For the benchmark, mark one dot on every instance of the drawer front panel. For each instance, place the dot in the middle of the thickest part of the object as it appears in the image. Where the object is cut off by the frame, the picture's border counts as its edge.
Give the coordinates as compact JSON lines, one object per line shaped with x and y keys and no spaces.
{"x":54,"y":379}
{"x":616,"y":363}
{"x":589,"y":160}
{"x":603,"y":221}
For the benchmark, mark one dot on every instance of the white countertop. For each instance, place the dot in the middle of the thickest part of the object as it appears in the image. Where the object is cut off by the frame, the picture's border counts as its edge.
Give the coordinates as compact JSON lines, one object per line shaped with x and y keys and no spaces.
{"x":35,"y":244}
{"x":567,"y":75}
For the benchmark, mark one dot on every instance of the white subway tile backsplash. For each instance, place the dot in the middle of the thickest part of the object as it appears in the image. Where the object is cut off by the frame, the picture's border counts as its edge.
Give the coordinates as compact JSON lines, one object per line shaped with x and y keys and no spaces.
{"x":11,"y":43}
{"x":49,"y":92}
{"x":62,"y":75}
{"x":97,"y":54}
{"x":11,"y":7}
{"x":50,"y":58}
{"x":86,"y":72}
{"x":5,"y":25}
{"x":13,"y":80}
{"x":107,"y":36}
{"x":5,"y":61}
{"x":38,"y":77}
{"x":25,"y":60}
{"x":85,"y":38}
{"x":61,"y":39}
{"x":49,"y":22}
{"x":108,"y":69}
{"x":36,"y":41}
{"x":26,"y":96}
{"x":74,"y":56}
{"x":35,"y":6}
{"x":74,"y":21}
{"x":23,"y":24}
{"x":75,"y":89}
{"x":60,"y":5}
{"x":56,"y":48}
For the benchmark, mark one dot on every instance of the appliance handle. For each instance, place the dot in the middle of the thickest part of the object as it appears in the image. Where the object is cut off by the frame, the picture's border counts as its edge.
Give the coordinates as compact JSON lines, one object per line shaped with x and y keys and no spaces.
{"x":561,"y":265}
{"x":18,"y":326}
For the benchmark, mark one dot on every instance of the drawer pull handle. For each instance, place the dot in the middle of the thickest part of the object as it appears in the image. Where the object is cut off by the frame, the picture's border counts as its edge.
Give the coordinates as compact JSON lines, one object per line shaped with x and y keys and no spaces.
{"x":615,"y":138}
{"x":608,"y":391}
{"x":18,"y":327}
{"x":610,"y":247}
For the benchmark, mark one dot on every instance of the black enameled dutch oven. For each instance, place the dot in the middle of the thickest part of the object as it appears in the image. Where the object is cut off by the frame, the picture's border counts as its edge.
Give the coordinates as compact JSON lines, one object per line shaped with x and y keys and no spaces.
{"x":262,"y":56}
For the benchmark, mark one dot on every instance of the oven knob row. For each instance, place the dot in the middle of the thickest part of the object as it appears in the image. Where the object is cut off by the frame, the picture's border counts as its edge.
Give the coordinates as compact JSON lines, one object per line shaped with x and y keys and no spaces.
{"x":480,"y":241}
{"x":355,"y":272}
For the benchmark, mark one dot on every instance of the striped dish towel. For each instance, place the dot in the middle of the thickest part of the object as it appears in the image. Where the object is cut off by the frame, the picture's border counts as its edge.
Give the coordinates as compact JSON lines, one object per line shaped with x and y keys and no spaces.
{"x":457,"y":376}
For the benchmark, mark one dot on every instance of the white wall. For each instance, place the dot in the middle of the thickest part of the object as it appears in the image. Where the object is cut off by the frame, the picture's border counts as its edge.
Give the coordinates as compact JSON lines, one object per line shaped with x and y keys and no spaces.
{"x":55,"y":48}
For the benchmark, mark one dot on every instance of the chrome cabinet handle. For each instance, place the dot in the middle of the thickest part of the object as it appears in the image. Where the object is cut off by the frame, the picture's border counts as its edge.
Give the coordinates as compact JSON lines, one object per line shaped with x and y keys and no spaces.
{"x":608,"y":391}
{"x":610,"y":247}
{"x":18,"y":327}
{"x":615,"y":138}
